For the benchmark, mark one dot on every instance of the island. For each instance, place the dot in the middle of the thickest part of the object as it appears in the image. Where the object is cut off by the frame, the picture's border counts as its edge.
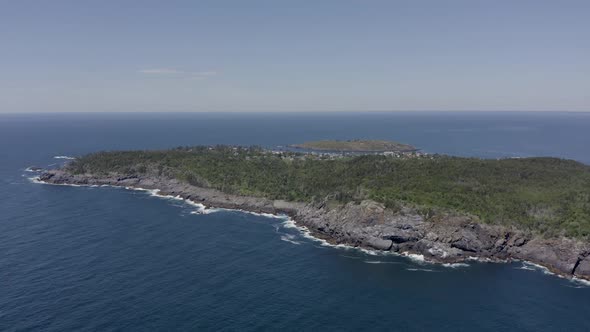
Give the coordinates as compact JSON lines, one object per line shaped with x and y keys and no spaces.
{"x":445,"y":209}
{"x":355,"y":146}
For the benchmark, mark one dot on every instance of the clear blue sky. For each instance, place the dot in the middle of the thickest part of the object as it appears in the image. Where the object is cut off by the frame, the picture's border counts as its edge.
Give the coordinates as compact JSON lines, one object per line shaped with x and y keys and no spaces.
{"x":294,"y":55}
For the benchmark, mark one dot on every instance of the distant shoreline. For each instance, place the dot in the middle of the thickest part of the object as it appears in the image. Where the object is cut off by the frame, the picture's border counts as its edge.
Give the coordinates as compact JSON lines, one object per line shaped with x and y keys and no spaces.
{"x":355,"y":146}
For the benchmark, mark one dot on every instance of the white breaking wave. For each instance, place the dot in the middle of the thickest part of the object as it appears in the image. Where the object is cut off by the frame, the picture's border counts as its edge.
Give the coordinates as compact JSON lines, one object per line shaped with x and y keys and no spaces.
{"x":418,"y":258}
{"x":35,"y":179}
{"x":481,"y":259}
{"x":535,"y":267}
{"x":151,"y":192}
{"x":380,"y":262}
{"x":260,"y":214}
{"x":289,"y":238}
{"x":415,"y":257}
{"x":306,"y":233}
{"x":583,"y":282}
{"x":64,"y":157}
{"x":204,"y":210}
{"x":524,"y":267}
{"x":371,"y":252}
{"x":455,"y":265}
{"x":201,"y":209}
{"x":29,"y":169}
{"x":422,"y":270}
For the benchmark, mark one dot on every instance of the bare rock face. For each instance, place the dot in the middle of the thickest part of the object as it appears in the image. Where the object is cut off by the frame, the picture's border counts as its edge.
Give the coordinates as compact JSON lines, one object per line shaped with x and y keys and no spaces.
{"x":451,"y":238}
{"x":372,"y":212}
{"x":559,"y":255}
{"x":583,"y":268}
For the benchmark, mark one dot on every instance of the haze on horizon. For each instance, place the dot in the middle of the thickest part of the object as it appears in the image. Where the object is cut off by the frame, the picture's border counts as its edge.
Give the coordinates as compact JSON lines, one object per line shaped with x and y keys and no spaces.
{"x":108,"y":56}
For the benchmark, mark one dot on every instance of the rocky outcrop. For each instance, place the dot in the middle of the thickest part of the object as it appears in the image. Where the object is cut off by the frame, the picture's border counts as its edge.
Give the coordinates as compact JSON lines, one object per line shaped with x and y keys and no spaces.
{"x":582,"y":269}
{"x":446,"y":238}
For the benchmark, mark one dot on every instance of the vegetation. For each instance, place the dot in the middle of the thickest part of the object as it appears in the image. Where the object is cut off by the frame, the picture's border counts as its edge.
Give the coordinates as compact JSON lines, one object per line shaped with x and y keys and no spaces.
{"x":548,"y":195}
{"x":356,"y":146}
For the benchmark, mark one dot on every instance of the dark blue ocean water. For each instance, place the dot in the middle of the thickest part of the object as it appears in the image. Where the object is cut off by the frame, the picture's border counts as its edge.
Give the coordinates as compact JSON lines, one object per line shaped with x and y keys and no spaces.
{"x":75,"y":258}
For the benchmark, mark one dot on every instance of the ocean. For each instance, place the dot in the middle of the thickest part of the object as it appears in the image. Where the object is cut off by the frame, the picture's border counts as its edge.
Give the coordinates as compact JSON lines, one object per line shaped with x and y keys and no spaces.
{"x":108,"y":259}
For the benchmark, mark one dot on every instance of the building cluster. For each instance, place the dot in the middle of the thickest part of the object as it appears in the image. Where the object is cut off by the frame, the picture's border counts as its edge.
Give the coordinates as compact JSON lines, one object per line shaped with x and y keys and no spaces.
{"x":316,"y":155}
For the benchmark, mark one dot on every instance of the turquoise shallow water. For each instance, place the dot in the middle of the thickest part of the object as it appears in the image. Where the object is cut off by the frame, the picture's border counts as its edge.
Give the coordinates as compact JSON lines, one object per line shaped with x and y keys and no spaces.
{"x":76,"y":258}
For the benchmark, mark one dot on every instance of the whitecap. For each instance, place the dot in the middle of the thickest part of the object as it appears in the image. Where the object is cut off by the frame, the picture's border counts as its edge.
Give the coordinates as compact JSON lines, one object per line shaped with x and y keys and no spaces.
{"x":526,"y":265}
{"x":205,"y":210}
{"x":582,"y":282}
{"x":415,"y":257}
{"x":380,"y":262}
{"x":455,"y":265}
{"x":370,"y":252}
{"x":262,"y":214}
{"x":422,"y":270}
{"x":289,"y":238}
{"x":306,"y":233}
{"x":64,"y":157}
{"x":201,"y":209}
{"x":290,"y":224}
{"x":36,"y":179}
{"x":480,"y":259}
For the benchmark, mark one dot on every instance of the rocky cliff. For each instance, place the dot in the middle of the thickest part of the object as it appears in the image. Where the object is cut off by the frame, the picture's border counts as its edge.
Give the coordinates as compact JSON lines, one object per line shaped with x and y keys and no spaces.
{"x":441,"y":238}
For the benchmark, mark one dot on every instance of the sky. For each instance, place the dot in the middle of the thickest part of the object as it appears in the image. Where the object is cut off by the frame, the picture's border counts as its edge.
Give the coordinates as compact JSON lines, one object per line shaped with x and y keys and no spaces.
{"x":365,"y":55}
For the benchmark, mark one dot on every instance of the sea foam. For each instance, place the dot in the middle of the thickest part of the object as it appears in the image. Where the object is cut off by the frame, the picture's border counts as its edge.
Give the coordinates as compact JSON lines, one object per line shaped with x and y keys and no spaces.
{"x":415,"y":257}
{"x":36,"y":179}
{"x":422,"y":270}
{"x":289,"y":238}
{"x":380,"y":262}
{"x":583,"y":282}
{"x":535,"y":267}
{"x":455,"y":265}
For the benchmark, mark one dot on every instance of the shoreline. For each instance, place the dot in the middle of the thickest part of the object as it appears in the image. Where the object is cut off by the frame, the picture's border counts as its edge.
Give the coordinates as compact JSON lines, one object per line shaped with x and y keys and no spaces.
{"x":353,"y":226}
{"x":305,"y":232}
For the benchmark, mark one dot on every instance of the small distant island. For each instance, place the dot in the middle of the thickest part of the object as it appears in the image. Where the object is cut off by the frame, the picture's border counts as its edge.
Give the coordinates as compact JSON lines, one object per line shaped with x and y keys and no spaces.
{"x":356,"y":146}
{"x":445,"y":209}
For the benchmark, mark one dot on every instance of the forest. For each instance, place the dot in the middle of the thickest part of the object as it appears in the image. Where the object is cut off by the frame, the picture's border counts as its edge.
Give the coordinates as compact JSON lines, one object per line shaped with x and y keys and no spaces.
{"x":547,"y":195}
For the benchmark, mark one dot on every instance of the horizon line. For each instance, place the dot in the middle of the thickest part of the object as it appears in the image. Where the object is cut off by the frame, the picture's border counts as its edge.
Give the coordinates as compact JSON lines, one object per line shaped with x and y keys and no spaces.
{"x":300,"y":111}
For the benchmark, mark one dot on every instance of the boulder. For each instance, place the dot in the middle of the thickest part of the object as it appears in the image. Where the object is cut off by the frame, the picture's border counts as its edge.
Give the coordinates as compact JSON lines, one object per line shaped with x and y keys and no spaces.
{"x":378,"y":243}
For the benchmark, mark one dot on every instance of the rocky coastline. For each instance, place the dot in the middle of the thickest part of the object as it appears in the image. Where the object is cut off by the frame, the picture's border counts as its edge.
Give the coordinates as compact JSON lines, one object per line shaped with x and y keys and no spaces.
{"x":368,"y":224}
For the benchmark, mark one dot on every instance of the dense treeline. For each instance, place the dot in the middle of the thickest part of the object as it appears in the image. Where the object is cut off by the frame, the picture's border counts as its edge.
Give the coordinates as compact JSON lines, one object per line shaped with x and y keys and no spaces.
{"x":545,"y":194}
